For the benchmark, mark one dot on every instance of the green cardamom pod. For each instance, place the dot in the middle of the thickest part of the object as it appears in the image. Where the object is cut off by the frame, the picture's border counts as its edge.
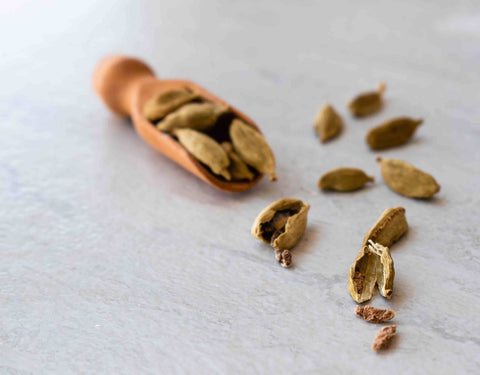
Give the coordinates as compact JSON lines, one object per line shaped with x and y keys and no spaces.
{"x":197,"y":116}
{"x":328,"y":124}
{"x":372,"y":266}
{"x":206,"y":150}
{"x":282,"y":223}
{"x":344,"y":179}
{"x":252,"y":148}
{"x":161,"y":105}
{"x":407,"y":180}
{"x":388,"y":229}
{"x":391,"y":133}
{"x":238,"y":169}
{"x":367,"y":103}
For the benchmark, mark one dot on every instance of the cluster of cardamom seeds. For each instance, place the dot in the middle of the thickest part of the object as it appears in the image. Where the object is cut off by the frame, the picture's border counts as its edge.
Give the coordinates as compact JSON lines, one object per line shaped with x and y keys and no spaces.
{"x":229,"y":147}
{"x":400,"y":176}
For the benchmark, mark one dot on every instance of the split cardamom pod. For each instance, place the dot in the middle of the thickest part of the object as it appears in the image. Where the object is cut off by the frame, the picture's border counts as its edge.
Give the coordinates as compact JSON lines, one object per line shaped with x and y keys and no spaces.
{"x":372,"y":266}
{"x":282,"y":223}
{"x":197,"y":116}
{"x":407,"y":180}
{"x":206,"y":150}
{"x":238,"y":169}
{"x":391,"y":133}
{"x":344,"y":179}
{"x":367,"y":103}
{"x":388,"y":229}
{"x":161,"y":105}
{"x":328,"y":124}
{"x":252,"y":148}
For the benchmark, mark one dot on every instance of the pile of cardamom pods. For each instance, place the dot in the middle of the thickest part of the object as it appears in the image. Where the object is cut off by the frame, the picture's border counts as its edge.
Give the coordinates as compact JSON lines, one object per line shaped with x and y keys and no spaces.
{"x":229,"y":147}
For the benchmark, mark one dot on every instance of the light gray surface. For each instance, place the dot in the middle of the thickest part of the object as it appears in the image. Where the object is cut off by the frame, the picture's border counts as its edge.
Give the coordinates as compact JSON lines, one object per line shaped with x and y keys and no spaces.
{"x":114,"y":260}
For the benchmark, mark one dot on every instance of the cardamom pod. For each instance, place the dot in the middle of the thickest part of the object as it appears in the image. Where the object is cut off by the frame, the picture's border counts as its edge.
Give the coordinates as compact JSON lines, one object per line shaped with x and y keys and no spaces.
{"x":282,"y":223}
{"x":388,"y":229}
{"x":344,"y":179}
{"x":391,"y":133}
{"x":197,"y":116}
{"x":372,"y":266}
{"x":367,"y":103}
{"x":252,"y":148}
{"x":161,"y":105}
{"x":206,"y":150}
{"x":407,"y":180}
{"x":328,"y":123}
{"x":238,"y":169}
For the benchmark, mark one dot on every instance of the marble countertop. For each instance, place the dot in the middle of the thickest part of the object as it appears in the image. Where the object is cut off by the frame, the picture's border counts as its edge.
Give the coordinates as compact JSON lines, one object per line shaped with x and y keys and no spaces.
{"x":117,"y":261}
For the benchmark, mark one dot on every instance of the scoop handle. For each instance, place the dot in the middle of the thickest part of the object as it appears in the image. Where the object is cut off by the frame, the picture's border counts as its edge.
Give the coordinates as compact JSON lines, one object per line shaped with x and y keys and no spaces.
{"x":117,"y":78}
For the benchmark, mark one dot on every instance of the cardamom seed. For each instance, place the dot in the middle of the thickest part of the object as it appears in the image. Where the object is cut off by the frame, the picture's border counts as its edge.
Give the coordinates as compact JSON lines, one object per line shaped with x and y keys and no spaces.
{"x":162,"y":104}
{"x":282,"y":223}
{"x":344,"y":179}
{"x":367,"y":103}
{"x":372,"y":266}
{"x":384,"y":338}
{"x":391,"y":133}
{"x":206,"y":150}
{"x":197,"y":116}
{"x":388,"y":229}
{"x":238,"y":169}
{"x":328,"y":124}
{"x":252,"y":148}
{"x":284,"y":257}
{"x":407,"y":180}
{"x":373,"y":315}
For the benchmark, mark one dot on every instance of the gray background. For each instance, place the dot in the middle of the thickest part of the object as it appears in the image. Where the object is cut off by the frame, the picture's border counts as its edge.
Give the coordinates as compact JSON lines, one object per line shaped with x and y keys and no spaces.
{"x":114,"y":260}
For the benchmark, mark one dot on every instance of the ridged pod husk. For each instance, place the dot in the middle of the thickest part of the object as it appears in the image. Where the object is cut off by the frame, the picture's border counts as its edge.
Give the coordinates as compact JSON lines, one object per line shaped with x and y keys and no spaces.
{"x":367,"y":103}
{"x":238,"y":169}
{"x":197,"y":116}
{"x":372,"y":266}
{"x":392,"y":133}
{"x":161,"y":105}
{"x":206,"y":150}
{"x":344,"y":179}
{"x":407,"y":180}
{"x":252,"y":148}
{"x":328,"y":124}
{"x":388,"y":229}
{"x":282,"y":223}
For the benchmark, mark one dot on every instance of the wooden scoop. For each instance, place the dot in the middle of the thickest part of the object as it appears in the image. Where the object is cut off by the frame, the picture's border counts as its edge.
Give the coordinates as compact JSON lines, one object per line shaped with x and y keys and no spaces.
{"x":125,"y":84}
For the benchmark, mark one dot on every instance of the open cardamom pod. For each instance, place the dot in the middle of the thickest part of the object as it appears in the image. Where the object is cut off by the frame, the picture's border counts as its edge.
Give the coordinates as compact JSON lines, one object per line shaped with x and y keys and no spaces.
{"x":367,"y":103}
{"x":392,"y":133}
{"x":206,"y":150}
{"x":252,"y":148}
{"x":407,"y":180}
{"x":344,"y":179}
{"x":197,"y":116}
{"x":161,"y":105}
{"x":372,"y":266}
{"x":328,"y":124}
{"x":282,"y":223}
